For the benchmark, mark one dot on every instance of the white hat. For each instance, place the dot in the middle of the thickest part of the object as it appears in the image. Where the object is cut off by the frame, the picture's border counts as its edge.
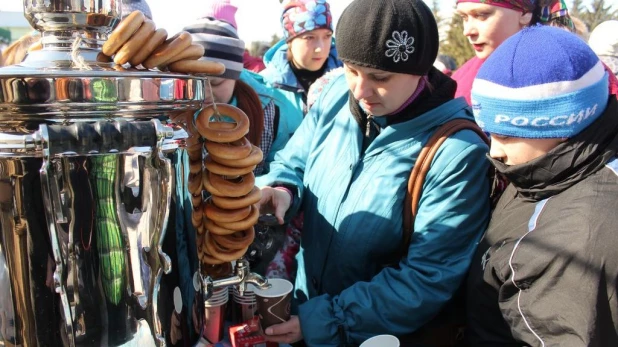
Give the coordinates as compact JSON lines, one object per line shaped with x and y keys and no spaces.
{"x":604,"y":39}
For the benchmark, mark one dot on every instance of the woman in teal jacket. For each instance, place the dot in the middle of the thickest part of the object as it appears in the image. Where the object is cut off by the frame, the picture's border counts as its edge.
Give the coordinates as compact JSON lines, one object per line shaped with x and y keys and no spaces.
{"x":348,"y":165}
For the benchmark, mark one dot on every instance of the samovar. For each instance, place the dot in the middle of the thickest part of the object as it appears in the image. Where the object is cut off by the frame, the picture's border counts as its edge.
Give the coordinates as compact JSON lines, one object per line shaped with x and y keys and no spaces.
{"x":89,"y":172}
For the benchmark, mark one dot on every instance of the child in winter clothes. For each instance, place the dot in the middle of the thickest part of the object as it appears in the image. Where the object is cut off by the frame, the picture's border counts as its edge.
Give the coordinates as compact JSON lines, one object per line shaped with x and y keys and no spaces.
{"x":546,"y":271}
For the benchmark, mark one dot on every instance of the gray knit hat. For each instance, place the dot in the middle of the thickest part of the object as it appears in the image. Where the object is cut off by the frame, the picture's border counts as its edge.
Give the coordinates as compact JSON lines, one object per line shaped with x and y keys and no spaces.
{"x":221,"y":44}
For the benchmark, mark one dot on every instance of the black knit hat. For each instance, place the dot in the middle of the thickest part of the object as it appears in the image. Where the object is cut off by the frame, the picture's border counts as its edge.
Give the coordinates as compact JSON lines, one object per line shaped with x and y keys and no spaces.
{"x":391,"y":35}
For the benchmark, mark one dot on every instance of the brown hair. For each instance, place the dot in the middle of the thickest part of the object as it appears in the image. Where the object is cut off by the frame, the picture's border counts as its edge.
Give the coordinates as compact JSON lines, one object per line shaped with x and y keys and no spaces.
{"x":248,"y":101}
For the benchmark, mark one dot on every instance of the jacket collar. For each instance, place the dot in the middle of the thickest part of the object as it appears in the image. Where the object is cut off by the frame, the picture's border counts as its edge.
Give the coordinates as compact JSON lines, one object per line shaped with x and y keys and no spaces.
{"x":279,"y":72}
{"x":568,"y":163}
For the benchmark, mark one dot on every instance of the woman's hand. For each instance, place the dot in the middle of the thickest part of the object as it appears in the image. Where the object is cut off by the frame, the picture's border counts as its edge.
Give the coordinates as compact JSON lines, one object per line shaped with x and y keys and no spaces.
{"x":276,"y":201}
{"x":288,"y":332}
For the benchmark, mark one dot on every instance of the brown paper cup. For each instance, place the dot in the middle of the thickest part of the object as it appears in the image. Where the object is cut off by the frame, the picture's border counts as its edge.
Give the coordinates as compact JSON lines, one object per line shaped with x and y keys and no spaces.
{"x":273,"y":304}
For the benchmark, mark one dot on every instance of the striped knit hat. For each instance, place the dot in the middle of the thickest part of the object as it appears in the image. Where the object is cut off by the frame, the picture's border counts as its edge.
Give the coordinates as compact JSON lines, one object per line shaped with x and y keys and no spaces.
{"x":524,"y":93}
{"x":221,"y":44}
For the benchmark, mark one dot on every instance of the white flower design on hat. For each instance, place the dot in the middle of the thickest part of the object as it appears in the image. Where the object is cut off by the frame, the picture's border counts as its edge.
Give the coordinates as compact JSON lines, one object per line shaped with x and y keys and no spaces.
{"x":400,"y":46}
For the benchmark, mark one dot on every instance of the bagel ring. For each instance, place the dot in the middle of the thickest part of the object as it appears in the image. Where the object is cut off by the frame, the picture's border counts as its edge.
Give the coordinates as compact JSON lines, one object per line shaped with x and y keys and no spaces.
{"x":221,"y":253}
{"x":254,"y":158}
{"x":135,"y":43}
{"x":217,"y":214}
{"x":253,"y":197}
{"x":197,"y":218}
{"x":223,"y":170}
{"x":229,"y":150}
{"x":243,"y":224}
{"x":195,"y":183}
{"x":194,"y":52}
{"x":196,"y":200}
{"x":123,"y":32}
{"x":207,"y":258}
{"x":170,"y":48}
{"x":205,"y":67}
{"x":195,"y":167}
{"x":157,"y":38}
{"x":203,"y":123}
{"x":195,"y":152}
{"x":213,"y":228}
{"x":235,"y":188}
{"x":239,"y":239}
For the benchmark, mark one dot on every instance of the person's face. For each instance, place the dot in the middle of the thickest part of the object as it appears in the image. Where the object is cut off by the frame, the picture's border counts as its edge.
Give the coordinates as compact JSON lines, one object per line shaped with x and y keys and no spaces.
{"x":311,"y":49}
{"x":222,"y":89}
{"x":516,"y":150}
{"x":379,"y":92}
{"x":487,"y":26}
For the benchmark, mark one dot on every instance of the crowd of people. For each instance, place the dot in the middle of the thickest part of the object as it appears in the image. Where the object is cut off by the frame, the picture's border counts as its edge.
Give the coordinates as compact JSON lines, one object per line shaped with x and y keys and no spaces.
{"x":342,"y":115}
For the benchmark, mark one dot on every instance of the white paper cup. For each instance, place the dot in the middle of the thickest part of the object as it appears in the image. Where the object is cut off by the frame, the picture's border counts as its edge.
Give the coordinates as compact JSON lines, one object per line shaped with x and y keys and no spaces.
{"x":381,"y":341}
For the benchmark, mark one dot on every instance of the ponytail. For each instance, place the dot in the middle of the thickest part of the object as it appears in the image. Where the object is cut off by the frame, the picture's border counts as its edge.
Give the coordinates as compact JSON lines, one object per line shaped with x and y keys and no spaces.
{"x":250,"y":103}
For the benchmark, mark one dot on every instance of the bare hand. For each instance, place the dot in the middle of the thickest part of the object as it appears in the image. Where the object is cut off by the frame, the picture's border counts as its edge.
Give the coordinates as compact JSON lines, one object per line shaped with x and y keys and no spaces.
{"x":288,"y":332}
{"x":275,"y":201}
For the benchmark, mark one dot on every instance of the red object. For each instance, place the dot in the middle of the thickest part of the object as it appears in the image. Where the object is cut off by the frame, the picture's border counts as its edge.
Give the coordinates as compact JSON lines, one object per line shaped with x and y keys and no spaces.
{"x":613,"y":82}
{"x":252,"y":63}
{"x":248,"y":334}
{"x":464,"y":76}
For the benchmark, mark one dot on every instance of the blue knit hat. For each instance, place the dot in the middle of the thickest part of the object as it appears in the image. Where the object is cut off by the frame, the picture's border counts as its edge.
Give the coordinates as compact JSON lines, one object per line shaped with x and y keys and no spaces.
{"x":543,"y":82}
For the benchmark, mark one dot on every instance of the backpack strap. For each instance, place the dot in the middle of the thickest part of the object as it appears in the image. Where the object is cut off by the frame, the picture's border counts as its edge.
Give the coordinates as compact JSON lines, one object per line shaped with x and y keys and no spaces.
{"x":422,"y":166}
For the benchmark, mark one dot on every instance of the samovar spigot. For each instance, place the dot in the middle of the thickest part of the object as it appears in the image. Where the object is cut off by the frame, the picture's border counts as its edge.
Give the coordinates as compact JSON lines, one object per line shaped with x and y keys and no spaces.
{"x":242,"y":276}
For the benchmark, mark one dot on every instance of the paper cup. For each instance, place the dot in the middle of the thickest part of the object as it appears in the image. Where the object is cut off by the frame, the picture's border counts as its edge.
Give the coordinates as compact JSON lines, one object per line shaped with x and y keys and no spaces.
{"x":273,"y":304}
{"x":381,"y":341}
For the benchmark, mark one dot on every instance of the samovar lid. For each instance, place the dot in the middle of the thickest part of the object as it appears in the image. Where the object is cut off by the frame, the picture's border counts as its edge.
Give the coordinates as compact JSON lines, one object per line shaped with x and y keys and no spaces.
{"x":70,"y":79}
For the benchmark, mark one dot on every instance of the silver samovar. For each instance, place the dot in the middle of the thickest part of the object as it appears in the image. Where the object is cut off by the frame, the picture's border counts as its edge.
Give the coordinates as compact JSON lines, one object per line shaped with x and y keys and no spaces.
{"x":91,"y":190}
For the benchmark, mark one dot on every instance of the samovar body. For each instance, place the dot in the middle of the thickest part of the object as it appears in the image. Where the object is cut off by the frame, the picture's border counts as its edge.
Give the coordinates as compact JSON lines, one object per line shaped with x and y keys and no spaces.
{"x":89,"y":172}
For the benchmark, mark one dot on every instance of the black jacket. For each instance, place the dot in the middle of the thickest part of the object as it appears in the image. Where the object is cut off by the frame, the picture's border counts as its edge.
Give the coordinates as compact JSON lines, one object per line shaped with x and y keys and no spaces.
{"x":546,"y":271}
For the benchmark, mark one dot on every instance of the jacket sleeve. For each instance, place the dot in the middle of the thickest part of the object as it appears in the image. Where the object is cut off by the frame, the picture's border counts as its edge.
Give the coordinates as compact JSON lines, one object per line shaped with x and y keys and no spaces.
{"x":453,"y":213}
{"x":555,"y":293}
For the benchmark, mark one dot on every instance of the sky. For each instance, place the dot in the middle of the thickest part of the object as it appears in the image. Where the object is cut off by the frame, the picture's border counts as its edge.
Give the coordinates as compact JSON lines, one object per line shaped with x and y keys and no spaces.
{"x":257,"y":20}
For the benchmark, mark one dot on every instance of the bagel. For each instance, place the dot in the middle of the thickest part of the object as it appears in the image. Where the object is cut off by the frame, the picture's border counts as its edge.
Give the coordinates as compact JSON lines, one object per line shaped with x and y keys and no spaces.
{"x":194,"y":52}
{"x":135,"y":43}
{"x":253,"y":197}
{"x":123,"y":32}
{"x":222,"y":253}
{"x":239,"y":239}
{"x":213,"y":228}
{"x":170,"y":48}
{"x":230,"y":150}
{"x":155,"y":40}
{"x":196,"y":200}
{"x":195,"y":152}
{"x":207,"y":258}
{"x":195,"y":183}
{"x":217,"y":214}
{"x":195,"y":167}
{"x":197,"y":218}
{"x":234,"y":188}
{"x":197,"y":67}
{"x":223,"y":170}
{"x":218,"y":134}
{"x":254,"y":158}
{"x":243,"y":224}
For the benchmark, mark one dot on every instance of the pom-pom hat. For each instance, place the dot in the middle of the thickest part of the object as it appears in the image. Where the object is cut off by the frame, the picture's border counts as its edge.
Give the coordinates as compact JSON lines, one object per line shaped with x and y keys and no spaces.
{"x":521,"y":91}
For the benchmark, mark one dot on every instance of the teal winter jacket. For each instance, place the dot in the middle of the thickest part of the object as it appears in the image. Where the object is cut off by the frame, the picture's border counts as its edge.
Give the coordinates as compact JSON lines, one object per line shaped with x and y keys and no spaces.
{"x":353,"y":209}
